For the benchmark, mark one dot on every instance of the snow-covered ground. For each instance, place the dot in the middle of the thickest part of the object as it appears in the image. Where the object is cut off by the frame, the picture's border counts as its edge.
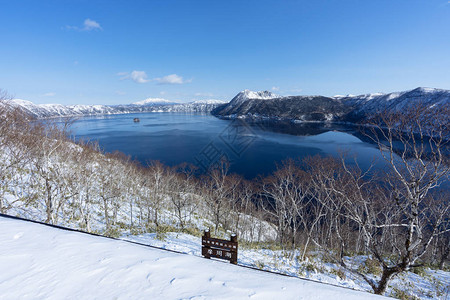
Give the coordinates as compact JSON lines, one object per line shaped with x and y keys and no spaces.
{"x":433,"y":284}
{"x":41,"y":262}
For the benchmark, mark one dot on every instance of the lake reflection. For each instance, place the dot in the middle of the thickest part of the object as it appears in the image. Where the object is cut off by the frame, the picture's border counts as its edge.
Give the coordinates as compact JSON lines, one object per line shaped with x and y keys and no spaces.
{"x":252,"y":148}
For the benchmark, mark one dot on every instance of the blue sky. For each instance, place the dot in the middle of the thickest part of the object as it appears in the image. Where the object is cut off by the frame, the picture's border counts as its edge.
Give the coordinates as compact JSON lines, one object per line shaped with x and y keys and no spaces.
{"x":110,"y":52}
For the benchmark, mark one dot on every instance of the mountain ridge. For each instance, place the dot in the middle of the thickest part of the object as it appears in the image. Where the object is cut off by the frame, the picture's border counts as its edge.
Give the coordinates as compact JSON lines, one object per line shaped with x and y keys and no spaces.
{"x":147,"y":105}
{"x":261,"y":105}
{"x":349,"y":108}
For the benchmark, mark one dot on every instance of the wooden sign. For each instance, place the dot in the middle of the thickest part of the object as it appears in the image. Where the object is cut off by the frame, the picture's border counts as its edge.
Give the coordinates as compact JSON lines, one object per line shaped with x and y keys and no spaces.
{"x":218,"y":248}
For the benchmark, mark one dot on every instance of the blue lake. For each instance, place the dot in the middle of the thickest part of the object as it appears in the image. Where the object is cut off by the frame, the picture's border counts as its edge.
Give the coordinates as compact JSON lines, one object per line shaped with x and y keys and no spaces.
{"x":252,"y":148}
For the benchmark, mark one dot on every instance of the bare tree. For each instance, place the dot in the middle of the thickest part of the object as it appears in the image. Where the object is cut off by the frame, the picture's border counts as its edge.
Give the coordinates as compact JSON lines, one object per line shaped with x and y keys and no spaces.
{"x":49,"y":140}
{"x":86,"y":171}
{"x":215,"y":192}
{"x":158,"y":179}
{"x":396,"y":215}
{"x":14,"y":130}
{"x":280,"y":194}
{"x":182,"y":193}
{"x":245,"y":224}
{"x":415,"y":146}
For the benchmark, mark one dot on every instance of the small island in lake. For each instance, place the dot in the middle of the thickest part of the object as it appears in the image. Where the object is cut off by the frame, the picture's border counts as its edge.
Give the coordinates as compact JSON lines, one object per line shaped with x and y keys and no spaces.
{"x":136,"y":120}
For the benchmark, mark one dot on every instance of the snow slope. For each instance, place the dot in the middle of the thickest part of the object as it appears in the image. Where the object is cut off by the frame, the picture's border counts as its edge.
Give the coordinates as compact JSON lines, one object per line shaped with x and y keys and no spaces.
{"x":41,"y":262}
{"x":432,"y":284}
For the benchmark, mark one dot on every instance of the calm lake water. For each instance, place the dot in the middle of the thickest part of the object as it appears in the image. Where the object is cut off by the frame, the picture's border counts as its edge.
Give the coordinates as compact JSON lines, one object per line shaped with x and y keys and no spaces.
{"x":200,"y":139}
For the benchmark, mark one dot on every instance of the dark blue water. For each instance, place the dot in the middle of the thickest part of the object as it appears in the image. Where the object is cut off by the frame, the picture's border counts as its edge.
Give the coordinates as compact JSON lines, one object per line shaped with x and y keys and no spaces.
{"x":252,"y":149}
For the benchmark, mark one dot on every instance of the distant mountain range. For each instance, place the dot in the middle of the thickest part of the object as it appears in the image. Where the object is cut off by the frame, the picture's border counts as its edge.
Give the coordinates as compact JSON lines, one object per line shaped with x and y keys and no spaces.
{"x":148,"y":105}
{"x":261,"y":105}
{"x":266,"y":105}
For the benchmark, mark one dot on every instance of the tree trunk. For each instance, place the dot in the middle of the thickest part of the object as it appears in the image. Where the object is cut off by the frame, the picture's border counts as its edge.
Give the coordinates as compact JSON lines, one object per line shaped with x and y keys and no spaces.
{"x":383,"y":283}
{"x":49,"y":204}
{"x":105,"y":211}
{"x":444,"y":257}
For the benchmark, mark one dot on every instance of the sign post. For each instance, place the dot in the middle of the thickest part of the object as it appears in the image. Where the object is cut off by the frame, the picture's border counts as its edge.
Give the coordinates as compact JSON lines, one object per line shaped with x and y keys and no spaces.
{"x":223,"y":249}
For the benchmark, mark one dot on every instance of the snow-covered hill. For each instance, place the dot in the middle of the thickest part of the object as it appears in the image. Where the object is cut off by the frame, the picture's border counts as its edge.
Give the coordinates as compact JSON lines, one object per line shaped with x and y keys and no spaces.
{"x":248,"y":104}
{"x":148,"y":105}
{"x":154,"y":101}
{"x":41,"y":262}
{"x":204,"y":106}
{"x":247,"y":95}
{"x":395,"y":102}
{"x":54,"y":110}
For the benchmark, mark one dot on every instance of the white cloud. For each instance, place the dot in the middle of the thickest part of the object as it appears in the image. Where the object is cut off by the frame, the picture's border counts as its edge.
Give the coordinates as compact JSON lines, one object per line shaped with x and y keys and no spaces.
{"x":121,"y":93}
{"x":141,"y":77}
{"x":91,"y":25}
{"x":69,"y":27}
{"x":136,"y":76}
{"x":88,"y":25}
{"x":162,"y":93}
{"x":50,"y":94}
{"x":275,"y":88}
{"x":172,"y":79}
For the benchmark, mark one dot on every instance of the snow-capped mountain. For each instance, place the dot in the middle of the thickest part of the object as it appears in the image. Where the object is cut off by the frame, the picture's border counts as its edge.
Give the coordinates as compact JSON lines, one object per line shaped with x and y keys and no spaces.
{"x":262,"y":104}
{"x":370,"y":104}
{"x":247,"y":95}
{"x":154,"y":101}
{"x":200,"y":106}
{"x":248,"y":104}
{"x":148,"y":105}
{"x":54,"y":110}
{"x":209,"y":101}
{"x":349,"y":108}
